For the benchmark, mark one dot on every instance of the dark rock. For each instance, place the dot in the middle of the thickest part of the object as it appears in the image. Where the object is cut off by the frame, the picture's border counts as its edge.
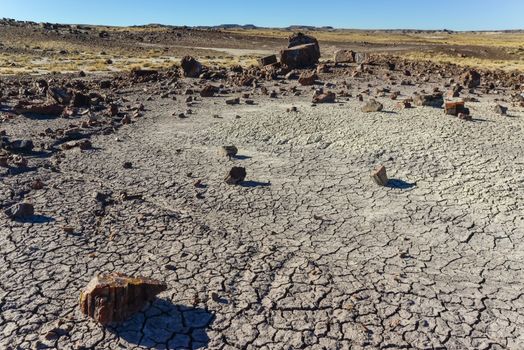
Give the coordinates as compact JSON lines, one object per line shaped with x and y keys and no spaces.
{"x":51,"y":109}
{"x":303,"y":56}
{"x":192,"y":68}
{"x":228,"y":151}
{"x":61,"y":96}
{"x":235,"y":176}
{"x":20,"y":210}
{"x":471,"y":79}
{"x":435,"y":100}
{"x":208,"y":91}
{"x":80,"y":100}
{"x":233,"y":101}
{"x":501,"y":110}
{"x":268,"y":60}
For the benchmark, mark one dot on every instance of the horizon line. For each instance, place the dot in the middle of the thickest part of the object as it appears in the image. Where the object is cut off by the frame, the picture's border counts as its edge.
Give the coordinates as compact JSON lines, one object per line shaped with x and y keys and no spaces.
{"x":265,"y":27}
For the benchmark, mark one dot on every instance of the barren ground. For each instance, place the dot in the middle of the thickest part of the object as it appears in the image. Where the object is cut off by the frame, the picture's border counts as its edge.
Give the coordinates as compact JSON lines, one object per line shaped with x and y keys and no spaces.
{"x":307,"y":253}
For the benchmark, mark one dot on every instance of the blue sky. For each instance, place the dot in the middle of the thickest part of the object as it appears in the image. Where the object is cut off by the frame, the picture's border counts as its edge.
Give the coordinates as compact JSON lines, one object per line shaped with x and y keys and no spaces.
{"x":364,"y":14}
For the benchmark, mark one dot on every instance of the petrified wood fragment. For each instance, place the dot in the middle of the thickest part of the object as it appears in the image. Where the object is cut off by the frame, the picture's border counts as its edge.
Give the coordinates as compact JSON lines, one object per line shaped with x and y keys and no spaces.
{"x":114,"y":297}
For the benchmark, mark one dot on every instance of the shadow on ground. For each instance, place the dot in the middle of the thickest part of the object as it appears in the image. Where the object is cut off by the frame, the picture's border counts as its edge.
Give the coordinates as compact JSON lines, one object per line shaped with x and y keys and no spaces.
{"x":400,"y":184}
{"x":255,"y":184}
{"x":35,"y":219}
{"x":164,"y":325}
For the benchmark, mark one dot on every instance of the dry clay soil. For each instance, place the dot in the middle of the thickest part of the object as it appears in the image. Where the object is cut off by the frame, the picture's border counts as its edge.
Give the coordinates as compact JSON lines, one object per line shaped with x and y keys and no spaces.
{"x":307,"y":253}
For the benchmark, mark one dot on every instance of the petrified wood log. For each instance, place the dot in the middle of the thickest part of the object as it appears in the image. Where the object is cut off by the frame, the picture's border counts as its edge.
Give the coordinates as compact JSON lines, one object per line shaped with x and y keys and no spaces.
{"x":114,"y":297}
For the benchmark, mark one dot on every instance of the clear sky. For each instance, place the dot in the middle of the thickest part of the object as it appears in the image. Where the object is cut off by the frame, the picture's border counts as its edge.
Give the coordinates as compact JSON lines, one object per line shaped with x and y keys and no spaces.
{"x":364,"y":14}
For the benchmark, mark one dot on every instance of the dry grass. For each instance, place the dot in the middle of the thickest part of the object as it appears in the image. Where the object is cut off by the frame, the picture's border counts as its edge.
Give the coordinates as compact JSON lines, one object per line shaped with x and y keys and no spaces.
{"x":507,"y":65}
{"x":493,"y":39}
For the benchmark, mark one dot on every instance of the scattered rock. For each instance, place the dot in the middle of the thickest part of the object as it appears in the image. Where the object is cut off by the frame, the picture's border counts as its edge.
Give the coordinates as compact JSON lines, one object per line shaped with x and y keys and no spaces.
{"x":455,"y":108}
{"x":59,"y":95}
{"x":114,"y":297}
{"x":268,"y":60}
{"x":192,"y":68}
{"x":499,"y":109}
{"x":328,"y":97}
{"x":344,"y":56}
{"x":51,"y":109}
{"x":436,"y":100}
{"x":307,"y":78}
{"x":37,"y":184}
{"x":228,"y":151}
{"x":20,"y":210}
{"x":380,"y":176}
{"x":235,"y":176}
{"x":471,"y":79}
{"x":208,"y":91}
{"x":233,"y":101}
{"x":83,"y":144}
{"x":372,"y":106}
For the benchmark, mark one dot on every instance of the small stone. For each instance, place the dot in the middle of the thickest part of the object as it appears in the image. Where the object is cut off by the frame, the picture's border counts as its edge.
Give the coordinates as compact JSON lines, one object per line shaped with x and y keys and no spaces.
{"x":328,"y":97}
{"x":127,"y":165}
{"x":228,"y":151}
{"x":372,"y":106}
{"x":19,"y":161}
{"x":114,"y":297}
{"x":404,"y":104}
{"x":20,"y":210}
{"x":455,"y":108}
{"x":233,"y":101}
{"x":501,"y":110}
{"x":68,"y":229}
{"x":214,"y":296}
{"x":380,"y":176}
{"x":235,"y":176}
{"x":307,"y":78}
{"x":37,"y":184}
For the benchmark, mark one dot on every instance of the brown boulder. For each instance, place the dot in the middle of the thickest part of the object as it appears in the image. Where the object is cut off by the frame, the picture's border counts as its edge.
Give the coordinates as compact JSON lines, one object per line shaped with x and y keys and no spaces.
{"x":344,"y":56}
{"x":114,"y":297}
{"x":307,"y":78}
{"x":328,"y":97}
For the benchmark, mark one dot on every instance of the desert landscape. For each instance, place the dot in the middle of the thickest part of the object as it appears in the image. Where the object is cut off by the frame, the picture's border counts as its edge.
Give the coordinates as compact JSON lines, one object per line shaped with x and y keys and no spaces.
{"x":240,"y":187}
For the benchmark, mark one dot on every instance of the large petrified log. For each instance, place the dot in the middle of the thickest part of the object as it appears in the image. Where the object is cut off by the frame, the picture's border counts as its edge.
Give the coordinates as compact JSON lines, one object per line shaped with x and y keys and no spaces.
{"x":303,"y":56}
{"x":114,"y":297}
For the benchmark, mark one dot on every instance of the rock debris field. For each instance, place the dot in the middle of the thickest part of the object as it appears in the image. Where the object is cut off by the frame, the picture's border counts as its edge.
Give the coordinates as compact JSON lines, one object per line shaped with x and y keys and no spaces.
{"x":304,"y":252}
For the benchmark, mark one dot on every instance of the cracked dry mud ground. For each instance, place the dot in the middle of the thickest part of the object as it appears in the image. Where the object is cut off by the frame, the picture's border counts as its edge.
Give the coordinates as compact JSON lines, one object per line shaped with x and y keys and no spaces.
{"x":320,"y":258}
